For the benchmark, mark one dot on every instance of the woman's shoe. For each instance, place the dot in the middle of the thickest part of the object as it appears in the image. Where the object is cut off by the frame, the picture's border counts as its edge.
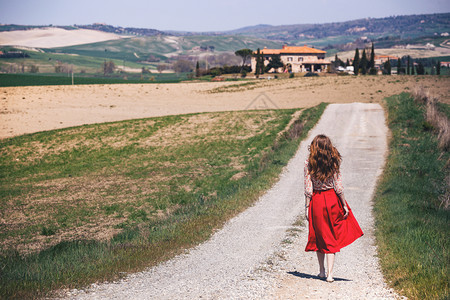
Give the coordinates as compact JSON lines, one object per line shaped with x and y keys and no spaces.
{"x":330,"y":279}
{"x":321,"y":276}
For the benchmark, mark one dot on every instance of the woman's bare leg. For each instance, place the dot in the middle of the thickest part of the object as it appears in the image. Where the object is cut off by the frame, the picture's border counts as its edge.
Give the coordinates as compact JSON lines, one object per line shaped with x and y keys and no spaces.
{"x":330,"y":264}
{"x":321,"y":259}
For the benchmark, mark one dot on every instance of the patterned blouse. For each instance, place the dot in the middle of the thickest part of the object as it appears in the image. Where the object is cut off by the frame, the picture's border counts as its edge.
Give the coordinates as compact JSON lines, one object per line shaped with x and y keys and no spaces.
{"x":311,"y":184}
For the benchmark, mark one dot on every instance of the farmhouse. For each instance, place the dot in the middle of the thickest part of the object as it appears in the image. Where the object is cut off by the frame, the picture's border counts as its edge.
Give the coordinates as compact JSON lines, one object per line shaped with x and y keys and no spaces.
{"x":381,"y":59}
{"x":296,"y":59}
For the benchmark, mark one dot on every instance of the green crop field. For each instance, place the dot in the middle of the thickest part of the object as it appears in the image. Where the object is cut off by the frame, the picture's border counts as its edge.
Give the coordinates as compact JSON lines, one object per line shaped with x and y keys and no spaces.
{"x":32,"y":79}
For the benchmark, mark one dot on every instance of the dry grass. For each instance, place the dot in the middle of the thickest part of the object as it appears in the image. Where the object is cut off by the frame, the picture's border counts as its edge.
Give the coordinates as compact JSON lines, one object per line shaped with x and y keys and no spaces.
{"x":438,"y":120}
{"x":441,"y":124}
{"x":99,"y":203}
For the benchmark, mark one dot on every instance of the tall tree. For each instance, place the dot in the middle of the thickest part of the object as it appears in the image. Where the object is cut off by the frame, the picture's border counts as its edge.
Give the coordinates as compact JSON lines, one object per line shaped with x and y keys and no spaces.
{"x":182,"y":66}
{"x":356,"y":62}
{"x":420,"y":69}
{"x":244,"y":54}
{"x":363,"y":63}
{"x":372,"y":70}
{"x":438,"y":68}
{"x":372,"y":57}
{"x":399,"y":66}
{"x":261,"y":63}
{"x":197,"y":70}
{"x":408,"y":66}
{"x":387,"y":67}
{"x":108,"y":67}
{"x":275,"y":63}
{"x":258,"y":63}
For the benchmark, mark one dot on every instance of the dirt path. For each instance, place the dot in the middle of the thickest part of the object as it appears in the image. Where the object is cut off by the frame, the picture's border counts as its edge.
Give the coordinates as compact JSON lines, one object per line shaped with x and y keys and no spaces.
{"x":359,"y":133}
{"x":255,"y":255}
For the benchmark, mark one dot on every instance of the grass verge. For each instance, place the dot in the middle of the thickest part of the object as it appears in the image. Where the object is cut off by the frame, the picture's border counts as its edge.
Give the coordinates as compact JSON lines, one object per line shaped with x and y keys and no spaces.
{"x":86,"y":204}
{"x":412,"y":228}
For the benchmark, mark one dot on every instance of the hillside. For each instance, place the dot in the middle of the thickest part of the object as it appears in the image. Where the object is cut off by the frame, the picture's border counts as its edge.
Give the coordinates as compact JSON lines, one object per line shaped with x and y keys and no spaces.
{"x":49,"y":37}
{"x":162,"y":47}
{"x":401,"y":26}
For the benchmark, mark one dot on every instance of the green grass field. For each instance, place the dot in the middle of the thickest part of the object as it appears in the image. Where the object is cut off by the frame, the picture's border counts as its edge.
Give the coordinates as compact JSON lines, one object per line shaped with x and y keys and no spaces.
{"x":412,"y":228}
{"x":51,"y":79}
{"x":87,"y":203}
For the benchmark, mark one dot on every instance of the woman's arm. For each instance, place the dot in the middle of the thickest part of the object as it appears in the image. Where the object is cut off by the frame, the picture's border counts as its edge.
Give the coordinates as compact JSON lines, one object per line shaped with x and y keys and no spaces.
{"x":308,"y":187}
{"x":344,"y":204}
{"x":307,"y":202}
{"x":339,"y":189}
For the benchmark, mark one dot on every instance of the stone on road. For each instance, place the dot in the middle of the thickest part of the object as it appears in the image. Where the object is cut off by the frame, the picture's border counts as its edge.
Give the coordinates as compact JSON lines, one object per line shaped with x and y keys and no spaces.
{"x":253,"y":257}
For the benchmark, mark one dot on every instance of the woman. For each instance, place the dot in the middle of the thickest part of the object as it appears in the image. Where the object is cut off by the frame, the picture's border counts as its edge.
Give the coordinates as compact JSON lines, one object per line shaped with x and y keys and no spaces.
{"x":332,"y":225}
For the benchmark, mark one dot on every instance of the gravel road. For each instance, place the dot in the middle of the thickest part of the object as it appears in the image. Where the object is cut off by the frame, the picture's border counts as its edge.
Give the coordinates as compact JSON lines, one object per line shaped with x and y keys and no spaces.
{"x":259,"y":254}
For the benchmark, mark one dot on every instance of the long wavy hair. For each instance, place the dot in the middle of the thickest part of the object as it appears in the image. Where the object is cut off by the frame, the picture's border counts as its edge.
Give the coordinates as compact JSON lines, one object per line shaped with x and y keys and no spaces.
{"x":324,"y":159}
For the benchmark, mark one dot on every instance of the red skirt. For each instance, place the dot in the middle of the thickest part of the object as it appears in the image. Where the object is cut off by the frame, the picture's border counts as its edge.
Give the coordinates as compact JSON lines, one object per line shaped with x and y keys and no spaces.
{"x":328,"y":230}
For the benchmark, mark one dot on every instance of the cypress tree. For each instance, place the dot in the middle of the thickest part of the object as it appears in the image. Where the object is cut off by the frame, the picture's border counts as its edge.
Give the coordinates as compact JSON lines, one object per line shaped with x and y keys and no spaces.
{"x":373,"y":70}
{"x":258,"y":62}
{"x":197,"y":70}
{"x":438,"y":68}
{"x":356,"y":62}
{"x":399,"y":66}
{"x":387,"y":67}
{"x":363,"y":63}
{"x":420,"y":69}
{"x":372,"y":57}
{"x":408,"y":70}
{"x":261,"y":64}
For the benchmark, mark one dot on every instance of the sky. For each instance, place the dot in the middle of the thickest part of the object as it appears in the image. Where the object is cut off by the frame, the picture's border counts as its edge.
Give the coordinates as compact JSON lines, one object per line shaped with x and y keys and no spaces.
{"x":206,"y":15}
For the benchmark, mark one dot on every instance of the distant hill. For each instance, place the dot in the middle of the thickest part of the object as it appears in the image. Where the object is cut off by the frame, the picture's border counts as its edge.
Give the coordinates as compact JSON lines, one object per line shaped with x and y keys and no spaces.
{"x":122,"y":30}
{"x":399,"y":27}
{"x":163,"y":46}
{"x":402,"y":26}
{"x":411,"y":26}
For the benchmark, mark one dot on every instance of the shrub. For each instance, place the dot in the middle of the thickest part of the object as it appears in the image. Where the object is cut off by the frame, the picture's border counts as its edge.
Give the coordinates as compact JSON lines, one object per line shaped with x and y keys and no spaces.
{"x":434,"y":117}
{"x":291,"y":75}
{"x":34,"y":69}
{"x":311,"y":74}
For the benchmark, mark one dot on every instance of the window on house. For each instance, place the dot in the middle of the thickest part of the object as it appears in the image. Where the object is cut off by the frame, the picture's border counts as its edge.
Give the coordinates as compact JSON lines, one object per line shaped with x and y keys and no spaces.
{"x":300,"y":59}
{"x":289,"y":59}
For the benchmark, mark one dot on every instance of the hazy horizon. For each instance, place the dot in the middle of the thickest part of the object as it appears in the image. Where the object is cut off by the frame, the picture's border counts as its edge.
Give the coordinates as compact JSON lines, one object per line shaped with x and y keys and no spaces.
{"x":204,"y":15}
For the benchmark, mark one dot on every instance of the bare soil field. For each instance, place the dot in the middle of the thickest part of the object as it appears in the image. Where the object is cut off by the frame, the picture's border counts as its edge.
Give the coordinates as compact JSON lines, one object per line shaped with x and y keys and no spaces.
{"x":54,"y":37}
{"x":32,"y":109}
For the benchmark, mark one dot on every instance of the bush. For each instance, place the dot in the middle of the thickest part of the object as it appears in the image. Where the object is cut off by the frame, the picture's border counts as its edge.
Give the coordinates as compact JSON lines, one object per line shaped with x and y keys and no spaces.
{"x":228,"y":70}
{"x":215,"y":72}
{"x":34,"y":69}
{"x":291,"y":75}
{"x":311,"y":74}
{"x":243,"y":74}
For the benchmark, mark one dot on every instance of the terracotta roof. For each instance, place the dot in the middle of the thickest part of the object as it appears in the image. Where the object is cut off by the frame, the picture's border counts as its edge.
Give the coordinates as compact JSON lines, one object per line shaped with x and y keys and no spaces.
{"x":270,"y":51}
{"x":385,"y":56}
{"x":293,"y":50}
{"x":302,"y":49}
